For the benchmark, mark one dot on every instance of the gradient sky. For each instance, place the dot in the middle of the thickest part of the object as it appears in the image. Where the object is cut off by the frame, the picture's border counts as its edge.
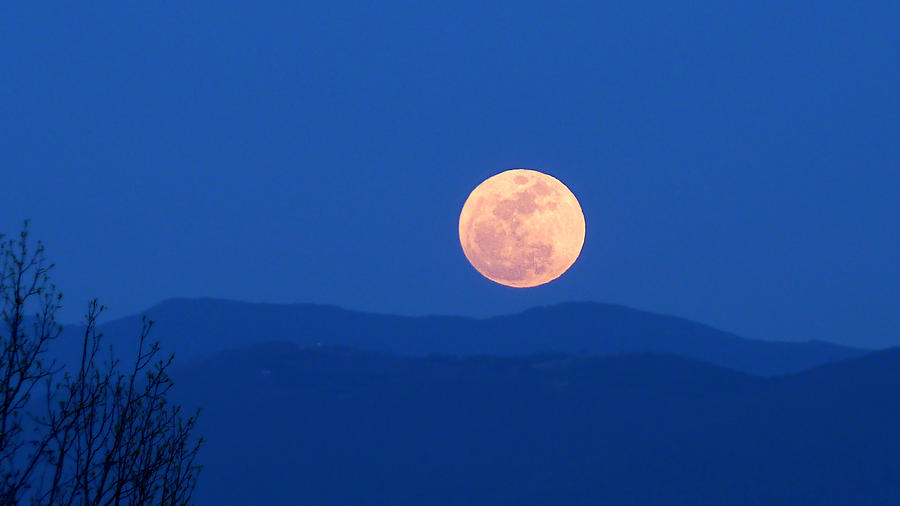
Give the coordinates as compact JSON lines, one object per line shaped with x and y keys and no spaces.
{"x":738,"y":162}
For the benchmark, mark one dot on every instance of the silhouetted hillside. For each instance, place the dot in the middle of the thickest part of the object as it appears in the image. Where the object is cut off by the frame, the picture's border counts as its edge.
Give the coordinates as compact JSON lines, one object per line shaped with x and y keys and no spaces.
{"x":197,"y":328}
{"x":330,"y":426}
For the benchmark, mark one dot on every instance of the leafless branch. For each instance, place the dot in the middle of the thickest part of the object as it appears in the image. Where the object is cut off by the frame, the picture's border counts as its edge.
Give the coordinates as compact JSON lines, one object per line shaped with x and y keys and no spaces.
{"x":103,"y":435}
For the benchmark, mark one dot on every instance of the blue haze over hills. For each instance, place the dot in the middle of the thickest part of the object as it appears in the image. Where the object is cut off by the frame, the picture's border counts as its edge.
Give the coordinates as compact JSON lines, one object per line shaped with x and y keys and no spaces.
{"x":572,"y":404}
{"x":199,"y":328}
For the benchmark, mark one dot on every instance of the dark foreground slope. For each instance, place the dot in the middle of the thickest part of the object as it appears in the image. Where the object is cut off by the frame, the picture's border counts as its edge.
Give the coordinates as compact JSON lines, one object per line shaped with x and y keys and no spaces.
{"x":202,"y":327}
{"x":332,"y":427}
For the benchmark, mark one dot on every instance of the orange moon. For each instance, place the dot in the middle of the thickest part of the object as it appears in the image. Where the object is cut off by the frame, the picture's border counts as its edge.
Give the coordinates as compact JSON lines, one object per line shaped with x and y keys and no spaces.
{"x":521,"y":228}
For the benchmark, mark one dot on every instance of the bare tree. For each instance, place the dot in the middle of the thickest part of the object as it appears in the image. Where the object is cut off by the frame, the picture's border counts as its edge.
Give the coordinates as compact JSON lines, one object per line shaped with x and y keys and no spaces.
{"x":103,"y":433}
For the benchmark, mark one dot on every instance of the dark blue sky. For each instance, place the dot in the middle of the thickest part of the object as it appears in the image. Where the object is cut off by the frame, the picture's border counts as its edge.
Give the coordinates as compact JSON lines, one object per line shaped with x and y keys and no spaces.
{"x":738,"y":162}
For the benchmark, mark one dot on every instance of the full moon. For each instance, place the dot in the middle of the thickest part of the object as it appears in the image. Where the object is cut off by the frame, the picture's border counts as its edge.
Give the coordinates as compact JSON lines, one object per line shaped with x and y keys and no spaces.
{"x":521,"y":228}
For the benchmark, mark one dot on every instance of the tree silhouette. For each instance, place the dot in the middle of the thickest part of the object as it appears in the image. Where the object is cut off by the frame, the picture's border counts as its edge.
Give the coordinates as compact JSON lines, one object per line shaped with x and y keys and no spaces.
{"x":95,"y":433}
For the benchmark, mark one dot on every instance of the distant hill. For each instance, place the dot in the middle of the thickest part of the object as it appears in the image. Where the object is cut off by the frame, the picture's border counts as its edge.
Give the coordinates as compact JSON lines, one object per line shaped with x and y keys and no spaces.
{"x":199,"y":328}
{"x":331,"y":426}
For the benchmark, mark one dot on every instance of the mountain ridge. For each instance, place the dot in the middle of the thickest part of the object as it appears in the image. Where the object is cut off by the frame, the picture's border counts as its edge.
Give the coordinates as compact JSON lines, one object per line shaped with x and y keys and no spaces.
{"x":197,"y":328}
